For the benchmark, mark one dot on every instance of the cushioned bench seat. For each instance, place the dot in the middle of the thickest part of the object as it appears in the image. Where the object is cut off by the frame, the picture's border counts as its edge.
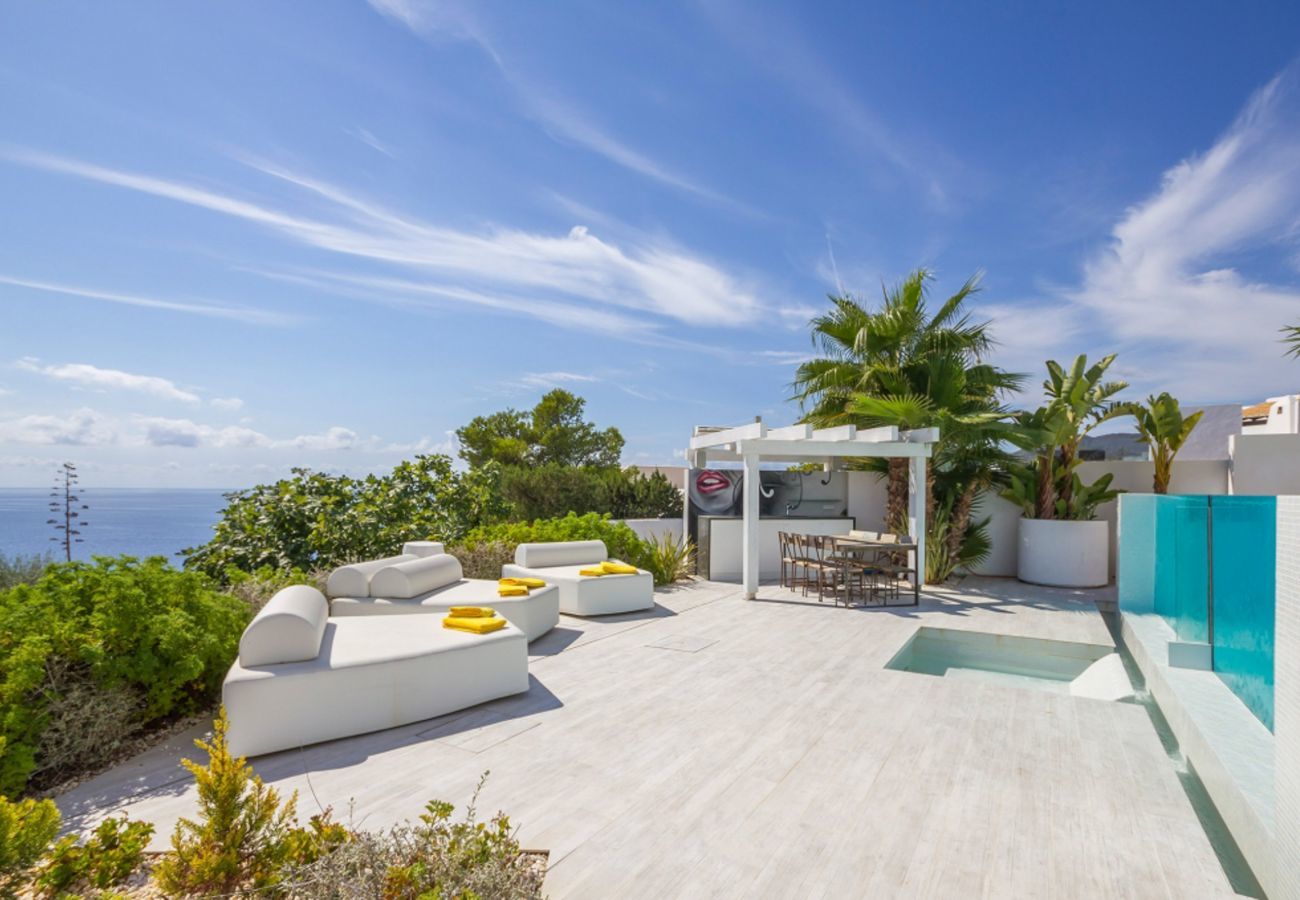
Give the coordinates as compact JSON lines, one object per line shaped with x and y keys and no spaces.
{"x":582,"y":595}
{"x":304,"y":678}
{"x":434,"y":584}
{"x":534,"y":615}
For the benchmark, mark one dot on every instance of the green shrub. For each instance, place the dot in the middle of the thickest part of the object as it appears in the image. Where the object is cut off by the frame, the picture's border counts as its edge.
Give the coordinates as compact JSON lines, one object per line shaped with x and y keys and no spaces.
{"x":669,"y":559}
{"x":255,"y":588}
{"x":241,"y":839}
{"x":552,"y":491}
{"x":314,"y":520}
{"x":439,"y":857}
{"x":26,"y":829}
{"x":620,"y":540}
{"x":19,"y":569}
{"x":116,"y":644}
{"x":113,"y":852}
{"x":484,"y":560}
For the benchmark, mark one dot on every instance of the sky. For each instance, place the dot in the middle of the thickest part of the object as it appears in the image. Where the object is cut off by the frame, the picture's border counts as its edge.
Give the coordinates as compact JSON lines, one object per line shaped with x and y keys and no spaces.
{"x":247,"y":236}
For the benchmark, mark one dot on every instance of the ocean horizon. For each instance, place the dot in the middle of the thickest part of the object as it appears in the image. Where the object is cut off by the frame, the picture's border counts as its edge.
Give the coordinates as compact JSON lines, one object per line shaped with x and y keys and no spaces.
{"x":132,"y":521}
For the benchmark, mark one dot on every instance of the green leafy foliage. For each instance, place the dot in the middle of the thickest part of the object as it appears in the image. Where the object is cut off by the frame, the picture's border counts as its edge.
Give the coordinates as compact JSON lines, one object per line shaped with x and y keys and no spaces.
{"x":140,"y":637}
{"x":314,"y":520}
{"x":1164,"y":428}
{"x":439,"y":857}
{"x":26,"y":829}
{"x":1291,"y":337}
{"x":553,"y":433}
{"x":1078,"y":400}
{"x":550,"y":491}
{"x":668,"y":558}
{"x":242,"y":838}
{"x":108,"y":858}
{"x":19,"y":569}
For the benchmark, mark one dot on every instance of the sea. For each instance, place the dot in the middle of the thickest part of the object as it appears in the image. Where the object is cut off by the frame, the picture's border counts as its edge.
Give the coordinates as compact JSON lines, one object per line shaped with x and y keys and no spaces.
{"x":133,"y":521}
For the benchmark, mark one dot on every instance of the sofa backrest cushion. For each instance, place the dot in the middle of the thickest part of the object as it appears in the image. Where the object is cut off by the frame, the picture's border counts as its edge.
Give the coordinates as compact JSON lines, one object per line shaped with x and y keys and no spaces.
{"x":560,"y":553}
{"x":354,"y":580}
{"x":422,"y":548}
{"x":288,"y":629}
{"x":414,"y":577}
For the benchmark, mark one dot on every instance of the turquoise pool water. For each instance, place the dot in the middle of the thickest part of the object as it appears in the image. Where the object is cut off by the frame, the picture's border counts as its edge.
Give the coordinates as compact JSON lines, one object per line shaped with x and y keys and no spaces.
{"x":1208,"y":566}
{"x":1007,"y":660}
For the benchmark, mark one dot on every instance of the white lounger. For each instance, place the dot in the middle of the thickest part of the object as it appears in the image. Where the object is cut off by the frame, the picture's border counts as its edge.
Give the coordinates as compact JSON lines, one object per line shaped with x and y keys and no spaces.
{"x":434,"y":584}
{"x":582,"y":595}
{"x":302,"y":677}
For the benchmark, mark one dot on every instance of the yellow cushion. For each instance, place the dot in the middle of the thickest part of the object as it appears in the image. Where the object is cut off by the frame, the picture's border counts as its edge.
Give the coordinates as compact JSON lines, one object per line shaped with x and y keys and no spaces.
{"x":511,"y":590}
{"x":529,"y":583}
{"x":472,"y":612}
{"x":594,"y":572}
{"x":612,"y":567}
{"x":477,"y":625}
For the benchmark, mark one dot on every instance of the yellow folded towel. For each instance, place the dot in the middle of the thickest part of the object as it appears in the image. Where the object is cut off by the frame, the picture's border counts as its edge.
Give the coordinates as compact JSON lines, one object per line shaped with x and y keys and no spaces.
{"x":594,"y":572}
{"x":611,"y":567}
{"x":529,"y":583}
{"x":512,"y":590}
{"x":472,"y":612}
{"x":475,"y":625}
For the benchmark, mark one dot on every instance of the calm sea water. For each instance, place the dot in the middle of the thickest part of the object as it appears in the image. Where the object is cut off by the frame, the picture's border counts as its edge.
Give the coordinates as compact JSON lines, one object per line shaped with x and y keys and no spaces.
{"x":135,"y":521}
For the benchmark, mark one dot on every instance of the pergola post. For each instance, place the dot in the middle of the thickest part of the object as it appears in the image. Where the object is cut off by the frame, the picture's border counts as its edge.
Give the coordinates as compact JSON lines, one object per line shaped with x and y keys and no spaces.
{"x":750,"y":512}
{"x":916,"y":512}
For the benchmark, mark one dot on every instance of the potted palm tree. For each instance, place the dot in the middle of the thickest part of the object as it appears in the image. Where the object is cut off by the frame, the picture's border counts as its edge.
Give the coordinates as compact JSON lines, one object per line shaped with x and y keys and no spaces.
{"x":1062,"y":543}
{"x":1163,"y":427}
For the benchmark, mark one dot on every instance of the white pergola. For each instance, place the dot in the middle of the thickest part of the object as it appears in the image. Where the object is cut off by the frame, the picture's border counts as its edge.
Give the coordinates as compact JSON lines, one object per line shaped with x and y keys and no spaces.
{"x":756,"y":443}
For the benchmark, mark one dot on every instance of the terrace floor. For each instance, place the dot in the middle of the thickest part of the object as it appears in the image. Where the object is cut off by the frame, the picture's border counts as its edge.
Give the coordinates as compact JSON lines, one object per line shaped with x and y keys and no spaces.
{"x":718,"y":747}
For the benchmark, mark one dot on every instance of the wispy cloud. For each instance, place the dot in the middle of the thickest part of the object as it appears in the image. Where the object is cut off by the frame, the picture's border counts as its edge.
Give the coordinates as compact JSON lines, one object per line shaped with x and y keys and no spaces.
{"x":554,"y":379}
{"x":237,"y":313}
{"x":1173,"y":290}
{"x":374,"y":143}
{"x":88,"y":376}
{"x":562,"y":119}
{"x":227,"y":404}
{"x":558,"y":274}
{"x":81,"y":428}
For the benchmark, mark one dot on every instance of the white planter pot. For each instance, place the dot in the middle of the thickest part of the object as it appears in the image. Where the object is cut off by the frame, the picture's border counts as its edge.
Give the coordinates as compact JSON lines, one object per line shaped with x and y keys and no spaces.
{"x":1062,"y":553}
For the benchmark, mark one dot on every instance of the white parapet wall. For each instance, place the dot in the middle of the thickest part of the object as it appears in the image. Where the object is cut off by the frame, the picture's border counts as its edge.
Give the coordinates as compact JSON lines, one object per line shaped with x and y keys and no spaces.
{"x":1264,"y":463}
{"x":655,"y":529}
{"x":1286,"y":701}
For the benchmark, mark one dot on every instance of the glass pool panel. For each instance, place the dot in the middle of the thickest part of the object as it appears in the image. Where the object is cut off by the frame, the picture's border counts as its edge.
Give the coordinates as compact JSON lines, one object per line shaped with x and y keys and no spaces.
{"x":1182,"y":565}
{"x":1135,"y":560}
{"x":1244,"y":540}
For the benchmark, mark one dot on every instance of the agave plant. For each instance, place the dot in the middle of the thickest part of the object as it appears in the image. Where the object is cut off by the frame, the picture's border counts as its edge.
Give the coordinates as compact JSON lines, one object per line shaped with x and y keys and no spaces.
{"x":1078,"y":400}
{"x":1164,"y":428}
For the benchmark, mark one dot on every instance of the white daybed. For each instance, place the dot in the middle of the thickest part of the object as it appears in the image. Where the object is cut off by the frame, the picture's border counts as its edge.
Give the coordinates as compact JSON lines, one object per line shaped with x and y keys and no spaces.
{"x":582,"y":595}
{"x":433,"y":584}
{"x":302,"y":677}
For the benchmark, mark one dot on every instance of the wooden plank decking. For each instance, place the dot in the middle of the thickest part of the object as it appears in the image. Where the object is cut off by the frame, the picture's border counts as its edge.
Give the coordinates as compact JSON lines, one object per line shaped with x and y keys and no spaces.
{"x":717,"y":747}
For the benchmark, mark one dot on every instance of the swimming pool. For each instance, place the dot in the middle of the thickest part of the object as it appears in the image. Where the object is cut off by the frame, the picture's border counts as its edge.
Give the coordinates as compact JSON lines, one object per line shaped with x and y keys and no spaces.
{"x":1207,"y":565}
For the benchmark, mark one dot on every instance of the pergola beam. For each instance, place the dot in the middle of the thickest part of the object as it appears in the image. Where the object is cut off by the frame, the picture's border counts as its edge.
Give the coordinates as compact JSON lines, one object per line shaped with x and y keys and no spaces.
{"x":778,"y":450}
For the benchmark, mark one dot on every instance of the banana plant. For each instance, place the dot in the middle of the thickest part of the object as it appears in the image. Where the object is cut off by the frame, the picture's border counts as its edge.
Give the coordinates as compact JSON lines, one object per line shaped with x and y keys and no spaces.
{"x":1078,"y":400}
{"x":1163,"y":427}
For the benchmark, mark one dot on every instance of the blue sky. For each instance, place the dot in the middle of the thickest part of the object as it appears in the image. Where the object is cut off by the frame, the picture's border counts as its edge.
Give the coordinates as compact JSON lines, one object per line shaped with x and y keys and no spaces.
{"x":241,"y":237}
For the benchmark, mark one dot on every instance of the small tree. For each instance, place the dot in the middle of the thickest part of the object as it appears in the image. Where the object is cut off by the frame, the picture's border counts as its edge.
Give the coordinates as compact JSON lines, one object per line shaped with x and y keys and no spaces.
{"x":67,"y":509}
{"x":1291,"y":337}
{"x":240,"y":840}
{"x":553,"y":432}
{"x":1164,"y":428}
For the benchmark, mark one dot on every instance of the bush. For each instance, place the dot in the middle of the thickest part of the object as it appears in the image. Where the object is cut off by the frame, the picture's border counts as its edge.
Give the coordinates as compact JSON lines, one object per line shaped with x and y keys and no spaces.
{"x":255,"y":588}
{"x":545,"y":492}
{"x":242,"y":837}
{"x":484,"y":560}
{"x":113,"y":852}
{"x":93,"y":651}
{"x":26,"y":829}
{"x":437,"y":858}
{"x":317,"y":521}
{"x":669,"y":559}
{"x":19,"y":569}
{"x":620,"y":540}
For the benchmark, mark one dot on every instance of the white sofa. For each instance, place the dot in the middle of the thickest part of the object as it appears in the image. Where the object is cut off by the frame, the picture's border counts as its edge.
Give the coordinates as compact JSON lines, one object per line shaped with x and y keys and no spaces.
{"x":582,"y":595}
{"x":434,"y":584}
{"x":302,"y":677}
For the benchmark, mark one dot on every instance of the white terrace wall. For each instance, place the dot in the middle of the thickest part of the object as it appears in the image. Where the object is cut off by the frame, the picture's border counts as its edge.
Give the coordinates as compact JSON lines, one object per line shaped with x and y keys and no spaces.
{"x":1264,"y":463}
{"x":1286,"y":702}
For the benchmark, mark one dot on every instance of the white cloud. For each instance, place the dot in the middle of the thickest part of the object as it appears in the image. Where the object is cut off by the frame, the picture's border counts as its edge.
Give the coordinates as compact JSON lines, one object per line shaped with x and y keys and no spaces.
{"x":228,"y":404}
{"x":374,"y":143}
{"x":237,"y":313}
{"x":88,"y":376}
{"x":554,"y":379}
{"x":559,"y":278}
{"x":81,"y":428}
{"x":336,"y":438}
{"x":164,"y":432}
{"x":1172,"y":288}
